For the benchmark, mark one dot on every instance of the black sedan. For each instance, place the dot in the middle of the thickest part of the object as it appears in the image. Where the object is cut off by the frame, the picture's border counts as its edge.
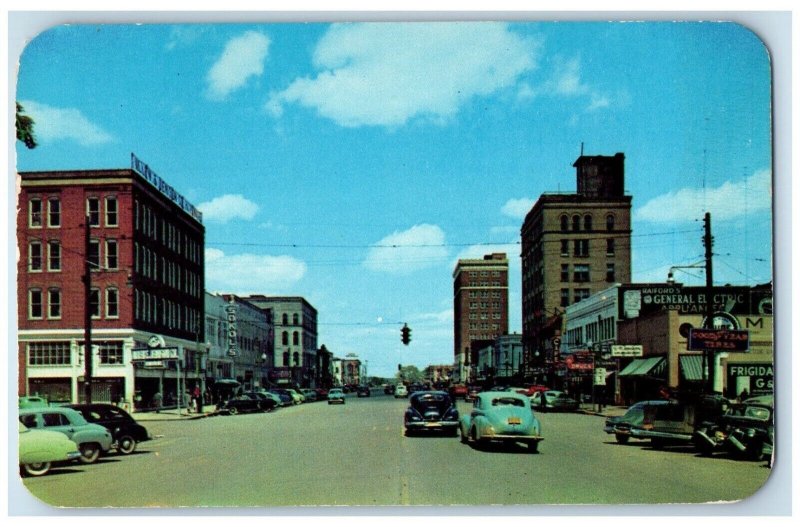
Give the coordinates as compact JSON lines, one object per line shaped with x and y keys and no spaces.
{"x":363,"y":391}
{"x":125,"y":431}
{"x":240,"y":404}
{"x":267,"y":403}
{"x":431,"y":411}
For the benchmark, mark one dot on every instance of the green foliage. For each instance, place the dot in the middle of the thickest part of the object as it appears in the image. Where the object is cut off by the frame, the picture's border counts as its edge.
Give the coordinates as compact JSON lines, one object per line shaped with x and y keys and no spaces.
{"x":25,"y":128}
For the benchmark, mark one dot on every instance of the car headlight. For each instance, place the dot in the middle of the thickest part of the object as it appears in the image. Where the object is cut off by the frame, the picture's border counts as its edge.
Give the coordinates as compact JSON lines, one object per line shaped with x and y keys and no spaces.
{"x":451,"y":414}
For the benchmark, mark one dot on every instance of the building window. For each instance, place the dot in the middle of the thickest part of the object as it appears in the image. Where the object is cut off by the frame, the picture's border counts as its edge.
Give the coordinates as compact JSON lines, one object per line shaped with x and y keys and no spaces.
{"x":580,"y":273}
{"x":295,"y":338}
{"x":564,"y":223}
{"x":565,"y":272}
{"x":285,"y":320}
{"x":576,"y":223}
{"x":564,"y":247}
{"x":93,"y":211}
{"x":94,"y":255}
{"x":285,"y":338}
{"x":610,"y":247}
{"x":35,"y":213}
{"x":35,"y":303}
{"x":94,"y":303}
{"x":610,"y":273}
{"x":112,"y":303}
{"x":110,"y":353}
{"x":53,"y":303}
{"x":587,"y":222}
{"x":581,"y":247}
{"x":112,"y":260}
{"x":53,"y":212}
{"x":580,"y":294}
{"x":610,"y":222}
{"x":49,"y":354}
{"x":54,"y":255}
{"x":35,"y":256}
{"x":112,"y":218}
{"x":295,"y":320}
{"x":564,"y":297}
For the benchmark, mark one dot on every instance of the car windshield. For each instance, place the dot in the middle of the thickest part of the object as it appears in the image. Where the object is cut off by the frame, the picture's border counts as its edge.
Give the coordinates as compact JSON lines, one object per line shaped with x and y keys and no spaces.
{"x":507,"y":401}
{"x":431,"y":400}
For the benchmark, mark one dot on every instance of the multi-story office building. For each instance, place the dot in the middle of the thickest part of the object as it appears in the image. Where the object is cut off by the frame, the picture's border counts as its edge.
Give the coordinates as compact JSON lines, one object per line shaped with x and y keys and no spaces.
{"x":573,"y":245}
{"x":143,"y":243}
{"x":294,"y":344}
{"x":480,"y":301}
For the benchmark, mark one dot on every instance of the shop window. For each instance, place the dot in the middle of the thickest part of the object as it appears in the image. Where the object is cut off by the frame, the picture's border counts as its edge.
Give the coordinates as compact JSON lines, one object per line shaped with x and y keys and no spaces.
{"x":48,"y":354}
{"x":110,"y":353}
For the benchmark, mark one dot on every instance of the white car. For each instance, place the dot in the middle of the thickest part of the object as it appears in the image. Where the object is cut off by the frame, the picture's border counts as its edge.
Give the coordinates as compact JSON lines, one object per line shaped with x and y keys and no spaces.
{"x":400,"y":391}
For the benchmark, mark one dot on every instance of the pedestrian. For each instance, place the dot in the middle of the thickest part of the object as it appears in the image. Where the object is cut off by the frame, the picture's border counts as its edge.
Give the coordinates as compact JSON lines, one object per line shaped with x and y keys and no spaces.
{"x":197,"y":395}
{"x":157,"y":399}
{"x":744,"y":395}
{"x":186,"y":399}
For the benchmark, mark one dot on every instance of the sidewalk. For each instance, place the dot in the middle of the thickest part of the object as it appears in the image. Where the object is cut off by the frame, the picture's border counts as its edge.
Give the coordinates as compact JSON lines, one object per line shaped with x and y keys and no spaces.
{"x":608,"y":411}
{"x":172,"y":414}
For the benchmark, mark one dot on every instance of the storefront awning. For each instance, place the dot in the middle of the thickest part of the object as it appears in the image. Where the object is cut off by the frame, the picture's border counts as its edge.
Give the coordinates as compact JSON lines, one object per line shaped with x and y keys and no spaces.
{"x":651,"y":366}
{"x":691,"y":367}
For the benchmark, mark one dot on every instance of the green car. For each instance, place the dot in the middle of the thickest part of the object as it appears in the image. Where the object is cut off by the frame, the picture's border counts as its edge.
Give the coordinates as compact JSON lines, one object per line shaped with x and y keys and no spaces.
{"x":32,"y":401}
{"x":92,"y":439}
{"x":38,"y":449}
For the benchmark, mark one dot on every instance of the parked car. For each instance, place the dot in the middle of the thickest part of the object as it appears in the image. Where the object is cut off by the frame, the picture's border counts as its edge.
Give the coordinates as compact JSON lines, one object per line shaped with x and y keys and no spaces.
{"x":240,"y":404}
{"x":458,"y":390}
{"x":553,"y":401}
{"x":400,"y":391}
{"x":309,"y":394}
{"x":335,"y":395}
{"x":626,"y":426}
{"x":267,"y":402}
{"x":388,"y":389}
{"x":32,"y":401}
{"x":92,"y":439}
{"x":531,"y":389}
{"x":38,"y":449}
{"x":431,"y":411}
{"x":275,"y":398}
{"x":677,"y":421}
{"x":363,"y":391}
{"x":472,"y":392}
{"x":125,"y":431}
{"x":322,"y":394}
{"x":284,"y":396}
{"x":744,"y":429}
{"x":297,"y":397}
{"x":503,"y":417}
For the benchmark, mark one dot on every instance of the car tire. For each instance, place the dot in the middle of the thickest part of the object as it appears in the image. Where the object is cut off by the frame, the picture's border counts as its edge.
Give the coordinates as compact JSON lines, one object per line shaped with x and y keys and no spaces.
{"x":533,"y":447}
{"x":36,"y":469}
{"x":464,"y":437}
{"x":233,"y":410}
{"x":90,"y":452}
{"x":622,"y":439}
{"x":657,"y":444}
{"x":126,"y":444}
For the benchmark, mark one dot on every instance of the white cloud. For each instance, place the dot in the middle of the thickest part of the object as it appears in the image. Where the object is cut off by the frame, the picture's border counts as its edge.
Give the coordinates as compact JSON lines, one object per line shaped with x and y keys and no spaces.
{"x":251,"y":273}
{"x":383,"y":74}
{"x":228,"y":207}
{"x":242,"y":58}
{"x":567,"y":79}
{"x":597,"y":102}
{"x":729,"y":200}
{"x":517,"y":208}
{"x":53,"y":124}
{"x":417,"y":248}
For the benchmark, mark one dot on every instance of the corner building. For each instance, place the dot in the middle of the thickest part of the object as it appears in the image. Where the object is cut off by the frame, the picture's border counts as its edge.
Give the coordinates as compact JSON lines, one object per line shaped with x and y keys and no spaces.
{"x":573,"y":245}
{"x":146,"y":256}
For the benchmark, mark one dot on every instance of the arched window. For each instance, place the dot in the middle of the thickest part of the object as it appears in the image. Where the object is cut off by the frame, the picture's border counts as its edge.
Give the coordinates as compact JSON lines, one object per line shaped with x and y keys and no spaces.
{"x":295,"y":338}
{"x":576,"y":223}
{"x":285,"y":338}
{"x":587,"y":222}
{"x":285,"y":319}
{"x":296,"y":359}
{"x":295,"y":319}
{"x":286,"y":358}
{"x":564,"y":223}
{"x":610,"y":222}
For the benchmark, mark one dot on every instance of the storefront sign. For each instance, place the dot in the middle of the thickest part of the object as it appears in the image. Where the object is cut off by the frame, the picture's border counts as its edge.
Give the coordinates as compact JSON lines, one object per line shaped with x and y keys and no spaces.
{"x":759,"y":375}
{"x":150,"y":354}
{"x":718,"y":339}
{"x":230,"y":309}
{"x":638,"y":300}
{"x":630,"y":350}
{"x":141,"y":168}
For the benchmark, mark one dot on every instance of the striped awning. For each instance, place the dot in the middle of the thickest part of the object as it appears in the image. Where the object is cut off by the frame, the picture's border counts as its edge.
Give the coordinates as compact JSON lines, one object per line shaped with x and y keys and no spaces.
{"x":691,"y":367}
{"x":651,"y":367}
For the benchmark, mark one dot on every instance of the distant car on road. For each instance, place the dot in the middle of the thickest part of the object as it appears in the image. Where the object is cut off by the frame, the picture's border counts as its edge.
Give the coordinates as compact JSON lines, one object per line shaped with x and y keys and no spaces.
{"x":38,"y":449}
{"x":309,"y":394}
{"x":553,"y":401}
{"x":284,"y":396}
{"x":400,"y":391}
{"x":363,"y":391}
{"x":335,"y":395}
{"x":431,"y":411}
{"x":624,"y":426}
{"x":388,"y":389}
{"x":125,"y":431}
{"x":92,"y":439}
{"x":501,"y":417}
{"x":458,"y":390}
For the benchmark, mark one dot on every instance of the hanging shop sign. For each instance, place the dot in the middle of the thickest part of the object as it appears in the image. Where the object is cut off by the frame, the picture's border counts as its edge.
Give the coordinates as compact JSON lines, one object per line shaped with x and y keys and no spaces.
{"x":718,"y":340}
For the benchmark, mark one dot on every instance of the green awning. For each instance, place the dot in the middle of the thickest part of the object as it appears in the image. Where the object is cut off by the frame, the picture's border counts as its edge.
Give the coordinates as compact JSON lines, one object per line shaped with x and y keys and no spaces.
{"x":651,"y":367}
{"x":691,"y":367}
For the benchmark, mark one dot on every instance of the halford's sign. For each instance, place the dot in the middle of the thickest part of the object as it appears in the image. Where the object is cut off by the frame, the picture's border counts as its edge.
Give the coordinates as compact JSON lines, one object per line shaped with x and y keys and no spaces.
{"x":141,"y":168}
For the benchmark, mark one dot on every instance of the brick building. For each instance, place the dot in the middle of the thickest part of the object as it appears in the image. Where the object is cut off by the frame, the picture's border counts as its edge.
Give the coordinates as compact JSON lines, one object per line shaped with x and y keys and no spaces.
{"x":145,"y":250}
{"x":480,"y":297}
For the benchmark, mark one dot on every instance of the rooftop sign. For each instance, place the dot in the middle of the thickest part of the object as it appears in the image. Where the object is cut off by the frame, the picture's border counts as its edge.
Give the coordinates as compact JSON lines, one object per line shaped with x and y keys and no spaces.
{"x":141,"y":168}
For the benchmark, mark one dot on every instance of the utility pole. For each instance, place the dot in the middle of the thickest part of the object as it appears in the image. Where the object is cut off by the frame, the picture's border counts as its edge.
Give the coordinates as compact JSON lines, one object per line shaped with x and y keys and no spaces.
{"x":708,"y":354}
{"x":87,"y":313}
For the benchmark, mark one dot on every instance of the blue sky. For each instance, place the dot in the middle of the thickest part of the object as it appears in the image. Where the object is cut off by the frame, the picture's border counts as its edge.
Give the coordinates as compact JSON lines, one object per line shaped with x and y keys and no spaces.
{"x":354,"y":164}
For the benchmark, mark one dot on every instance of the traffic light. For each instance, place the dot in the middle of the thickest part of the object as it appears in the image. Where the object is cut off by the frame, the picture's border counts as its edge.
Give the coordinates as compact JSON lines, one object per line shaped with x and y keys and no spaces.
{"x":406,"y":334}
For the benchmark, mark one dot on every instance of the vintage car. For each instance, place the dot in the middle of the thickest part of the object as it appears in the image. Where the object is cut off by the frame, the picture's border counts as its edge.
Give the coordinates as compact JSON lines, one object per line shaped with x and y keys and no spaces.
{"x":268,"y":401}
{"x":363,"y":391}
{"x":241,"y":404}
{"x":309,"y":394}
{"x":92,"y":439}
{"x":458,"y":390}
{"x":676,"y":421}
{"x":745,"y":430}
{"x":504,"y":417}
{"x":38,"y":449}
{"x":431,"y":411}
{"x":283,"y":395}
{"x":32,"y":401}
{"x":626,"y":426}
{"x":126,"y":432}
{"x":400,"y":391}
{"x":335,"y":395}
{"x":553,"y":401}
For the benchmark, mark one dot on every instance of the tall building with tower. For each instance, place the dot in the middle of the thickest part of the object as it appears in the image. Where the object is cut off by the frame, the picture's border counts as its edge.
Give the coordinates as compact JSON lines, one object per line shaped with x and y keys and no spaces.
{"x":480,"y":308}
{"x":573,"y":245}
